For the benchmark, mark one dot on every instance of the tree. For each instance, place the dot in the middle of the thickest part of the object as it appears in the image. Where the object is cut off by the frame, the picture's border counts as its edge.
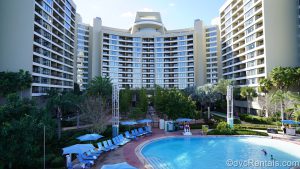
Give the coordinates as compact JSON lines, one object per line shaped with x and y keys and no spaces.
{"x":221,"y":86}
{"x":282,"y":79}
{"x":96,"y":111}
{"x":62,"y":104}
{"x":249,"y":93}
{"x":97,"y":104}
{"x":296,"y":106}
{"x":21,"y":130}
{"x":125,"y":100}
{"x":100,"y":86}
{"x":279,"y":96}
{"x":174,"y":104}
{"x":12,"y":82}
{"x":265,"y":85}
{"x":143,"y":100}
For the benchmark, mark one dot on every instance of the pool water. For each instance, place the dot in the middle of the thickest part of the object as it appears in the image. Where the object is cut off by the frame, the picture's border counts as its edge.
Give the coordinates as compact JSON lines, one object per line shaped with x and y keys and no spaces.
{"x":214,"y":152}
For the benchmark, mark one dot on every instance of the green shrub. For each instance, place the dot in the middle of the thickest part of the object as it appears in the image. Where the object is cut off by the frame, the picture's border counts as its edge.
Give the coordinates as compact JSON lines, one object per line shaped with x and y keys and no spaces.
{"x":223,"y":132}
{"x":237,"y":121}
{"x":250,"y":132}
{"x":57,"y":162}
{"x":256,"y":119}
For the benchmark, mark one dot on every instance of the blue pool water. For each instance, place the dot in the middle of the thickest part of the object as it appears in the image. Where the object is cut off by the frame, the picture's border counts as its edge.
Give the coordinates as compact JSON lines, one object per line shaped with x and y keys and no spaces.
{"x":221,"y":153}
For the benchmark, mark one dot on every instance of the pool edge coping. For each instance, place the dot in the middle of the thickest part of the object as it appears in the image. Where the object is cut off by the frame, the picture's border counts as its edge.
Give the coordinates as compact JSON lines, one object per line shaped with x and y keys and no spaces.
{"x":146,"y":164}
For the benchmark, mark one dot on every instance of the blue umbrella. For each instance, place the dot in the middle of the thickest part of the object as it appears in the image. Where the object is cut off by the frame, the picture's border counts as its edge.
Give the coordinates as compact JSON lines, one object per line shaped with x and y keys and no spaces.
{"x":123,"y":165}
{"x":145,"y":121}
{"x":128,"y":123}
{"x":78,"y":148}
{"x":290,"y":122}
{"x":89,"y":137}
{"x":183,"y":120}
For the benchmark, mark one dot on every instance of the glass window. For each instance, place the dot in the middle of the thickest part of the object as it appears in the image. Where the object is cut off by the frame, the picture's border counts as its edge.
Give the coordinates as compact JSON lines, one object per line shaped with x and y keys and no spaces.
{"x":181,"y":38}
{"x":249,"y":30}
{"x":250,"y":46}
{"x":249,"y":13}
{"x":249,"y":22}
{"x":47,"y":8}
{"x":250,"y":38}
{"x":137,"y":39}
{"x":114,"y":36}
{"x":158,"y":39}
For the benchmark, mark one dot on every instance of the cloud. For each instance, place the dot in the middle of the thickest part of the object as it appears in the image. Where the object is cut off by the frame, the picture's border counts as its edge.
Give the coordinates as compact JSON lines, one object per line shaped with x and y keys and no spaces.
{"x":171,"y":4}
{"x":127,"y":14}
{"x":215,"y":21}
{"x":146,"y":10}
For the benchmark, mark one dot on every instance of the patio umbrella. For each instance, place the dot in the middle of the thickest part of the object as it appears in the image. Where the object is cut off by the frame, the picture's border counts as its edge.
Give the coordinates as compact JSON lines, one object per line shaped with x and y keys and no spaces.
{"x":77,"y":149}
{"x":89,"y":137}
{"x":145,"y":121}
{"x":128,"y":123}
{"x":123,"y":165}
{"x":289,"y":122}
{"x":183,"y":120}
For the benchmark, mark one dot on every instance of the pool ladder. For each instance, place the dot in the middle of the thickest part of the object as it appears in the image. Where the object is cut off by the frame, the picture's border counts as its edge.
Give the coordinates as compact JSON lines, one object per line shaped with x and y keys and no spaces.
{"x":157,"y":163}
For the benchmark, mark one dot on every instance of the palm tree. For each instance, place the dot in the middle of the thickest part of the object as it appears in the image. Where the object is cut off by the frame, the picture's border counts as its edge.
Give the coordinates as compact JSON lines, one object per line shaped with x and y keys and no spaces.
{"x":265,"y":85}
{"x":100,"y":86}
{"x":296,"y":106}
{"x":279,"y":96}
{"x":249,"y":93}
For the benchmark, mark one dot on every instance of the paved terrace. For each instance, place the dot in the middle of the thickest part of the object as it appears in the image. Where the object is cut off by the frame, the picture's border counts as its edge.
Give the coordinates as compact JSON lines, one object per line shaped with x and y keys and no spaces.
{"x":127,"y":152}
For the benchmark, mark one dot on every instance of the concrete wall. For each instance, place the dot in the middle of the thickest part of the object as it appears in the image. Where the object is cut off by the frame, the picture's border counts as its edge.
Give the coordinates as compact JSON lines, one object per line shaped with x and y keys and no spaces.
{"x":280,"y":31}
{"x":94,"y":58}
{"x":199,"y":53}
{"x":16,"y":36}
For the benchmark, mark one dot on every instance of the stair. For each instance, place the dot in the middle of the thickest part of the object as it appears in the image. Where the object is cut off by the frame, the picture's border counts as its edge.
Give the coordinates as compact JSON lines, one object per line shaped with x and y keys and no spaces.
{"x":157,"y":163}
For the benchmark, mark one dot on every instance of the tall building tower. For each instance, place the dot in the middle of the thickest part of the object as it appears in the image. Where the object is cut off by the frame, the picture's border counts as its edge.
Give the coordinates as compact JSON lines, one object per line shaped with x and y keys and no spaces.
{"x":83,"y":50}
{"x":256,"y":36}
{"x":213,"y":65}
{"x":38,"y":36}
{"x":148,"y":54}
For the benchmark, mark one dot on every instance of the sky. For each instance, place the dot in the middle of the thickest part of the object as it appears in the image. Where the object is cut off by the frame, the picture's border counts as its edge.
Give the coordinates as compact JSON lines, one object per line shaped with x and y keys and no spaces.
{"x":176,"y":14}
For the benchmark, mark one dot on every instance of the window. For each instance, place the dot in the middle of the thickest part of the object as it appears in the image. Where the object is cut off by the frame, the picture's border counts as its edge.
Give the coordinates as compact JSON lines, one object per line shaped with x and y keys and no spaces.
{"x":251,"y":63}
{"x":158,"y":39}
{"x":251,"y":72}
{"x":211,"y":34}
{"x":249,"y":13}
{"x":248,"y":5}
{"x":227,"y":23}
{"x":250,"y":38}
{"x":249,"y":30}
{"x":181,"y":38}
{"x":114,"y":36}
{"x":211,"y":29}
{"x":47,"y":8}
{"x":250,"y":55}
{"x":249,"y":22}
{"x":250,"y":46}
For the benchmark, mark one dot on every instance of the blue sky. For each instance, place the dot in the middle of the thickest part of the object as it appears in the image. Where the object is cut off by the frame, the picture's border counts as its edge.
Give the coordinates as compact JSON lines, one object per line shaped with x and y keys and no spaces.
{"x":175,"y":14}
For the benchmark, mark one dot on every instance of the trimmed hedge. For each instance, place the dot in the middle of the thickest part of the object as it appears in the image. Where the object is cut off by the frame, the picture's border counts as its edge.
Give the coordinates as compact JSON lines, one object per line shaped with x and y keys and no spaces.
{"x":236,"y":132}
{"x":256,"y":119}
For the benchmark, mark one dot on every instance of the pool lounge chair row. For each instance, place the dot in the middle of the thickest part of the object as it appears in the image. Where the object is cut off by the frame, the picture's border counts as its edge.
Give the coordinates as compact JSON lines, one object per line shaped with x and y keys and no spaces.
{"x":88,"y":158}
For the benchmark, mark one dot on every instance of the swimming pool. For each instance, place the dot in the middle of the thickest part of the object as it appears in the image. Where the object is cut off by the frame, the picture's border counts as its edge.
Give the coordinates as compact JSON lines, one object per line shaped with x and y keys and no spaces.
{"x":221,"y":153}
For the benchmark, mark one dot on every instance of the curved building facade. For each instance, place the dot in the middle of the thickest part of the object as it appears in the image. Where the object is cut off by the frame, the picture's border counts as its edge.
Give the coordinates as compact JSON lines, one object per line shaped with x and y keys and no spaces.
{"x":148,"y":54}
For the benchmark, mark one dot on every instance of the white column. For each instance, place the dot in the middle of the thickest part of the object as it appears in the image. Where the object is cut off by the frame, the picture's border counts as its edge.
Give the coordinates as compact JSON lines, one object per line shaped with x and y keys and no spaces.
{"x":230,"y":105}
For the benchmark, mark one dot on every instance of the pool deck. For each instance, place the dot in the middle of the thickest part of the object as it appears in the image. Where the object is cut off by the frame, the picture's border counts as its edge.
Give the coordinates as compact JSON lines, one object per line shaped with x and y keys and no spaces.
{"x":127,"y":153}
